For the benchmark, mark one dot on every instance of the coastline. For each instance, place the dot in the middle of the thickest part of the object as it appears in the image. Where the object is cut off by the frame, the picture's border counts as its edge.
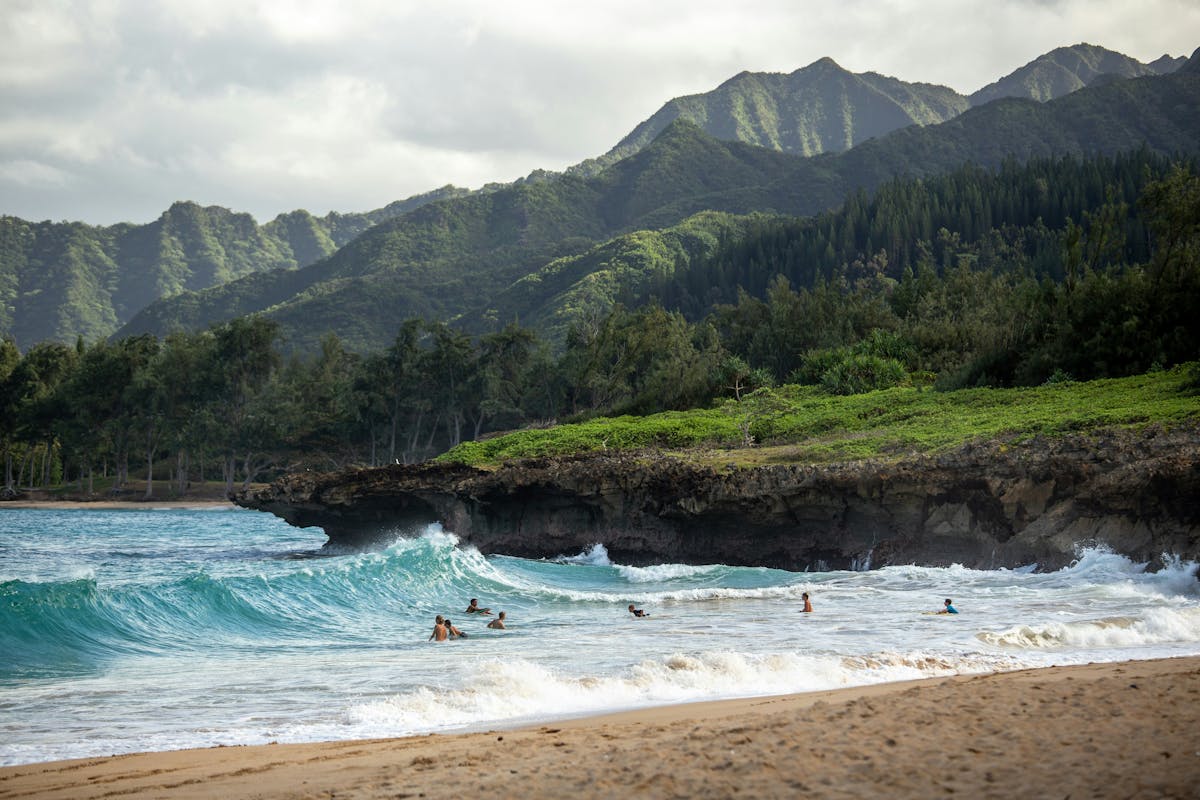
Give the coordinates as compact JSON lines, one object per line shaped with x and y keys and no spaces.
{"x":116,"y":505}
{"x":1117,"y":729}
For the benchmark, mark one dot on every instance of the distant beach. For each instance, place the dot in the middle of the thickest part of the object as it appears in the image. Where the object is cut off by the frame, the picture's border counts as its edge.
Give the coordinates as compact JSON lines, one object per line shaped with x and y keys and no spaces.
{"x":110,"y":505}
{"x":1123,"y":729}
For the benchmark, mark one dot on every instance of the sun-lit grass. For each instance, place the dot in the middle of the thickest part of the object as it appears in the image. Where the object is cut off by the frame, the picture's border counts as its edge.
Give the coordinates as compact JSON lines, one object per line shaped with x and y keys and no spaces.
{"x":803,"y":424}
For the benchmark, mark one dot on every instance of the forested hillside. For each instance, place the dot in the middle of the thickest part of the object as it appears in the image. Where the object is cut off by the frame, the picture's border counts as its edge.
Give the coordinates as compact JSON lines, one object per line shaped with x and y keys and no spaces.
{"x":65,"y":280}
{"x":61,"y":280}
{"x":460,"y":257}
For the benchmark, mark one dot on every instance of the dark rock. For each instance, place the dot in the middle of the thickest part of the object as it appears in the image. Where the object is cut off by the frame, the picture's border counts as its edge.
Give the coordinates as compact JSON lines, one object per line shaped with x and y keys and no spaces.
{"x":983,"y":505}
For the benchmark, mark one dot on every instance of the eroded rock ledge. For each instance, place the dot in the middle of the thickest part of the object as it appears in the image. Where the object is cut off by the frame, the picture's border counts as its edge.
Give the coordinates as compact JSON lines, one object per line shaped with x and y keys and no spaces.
{"x":999,"y":504}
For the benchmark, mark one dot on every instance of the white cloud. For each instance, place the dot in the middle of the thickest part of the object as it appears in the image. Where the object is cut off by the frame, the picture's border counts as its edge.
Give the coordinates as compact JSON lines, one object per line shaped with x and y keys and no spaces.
{"x":32,"y":173}
{"x":112,"y":109}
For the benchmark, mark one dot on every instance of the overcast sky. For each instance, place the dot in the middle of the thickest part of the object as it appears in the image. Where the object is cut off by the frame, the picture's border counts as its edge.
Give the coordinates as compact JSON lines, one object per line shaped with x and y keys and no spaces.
{"x":110,"y":110}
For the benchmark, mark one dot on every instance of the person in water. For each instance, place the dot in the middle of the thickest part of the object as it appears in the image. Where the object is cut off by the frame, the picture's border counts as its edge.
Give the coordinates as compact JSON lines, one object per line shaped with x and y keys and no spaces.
{"x":498,"y":622}
{"x":637,"y":612}
{"x":949,"y":608}
{"x":439,"y":630}
{"x":474,"y":608}
{"x":807,"y":603}
{"x":454,"y":632}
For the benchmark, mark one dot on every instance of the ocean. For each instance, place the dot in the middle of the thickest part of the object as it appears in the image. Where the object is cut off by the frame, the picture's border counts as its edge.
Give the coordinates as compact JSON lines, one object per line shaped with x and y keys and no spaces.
{"x":126,"y":631}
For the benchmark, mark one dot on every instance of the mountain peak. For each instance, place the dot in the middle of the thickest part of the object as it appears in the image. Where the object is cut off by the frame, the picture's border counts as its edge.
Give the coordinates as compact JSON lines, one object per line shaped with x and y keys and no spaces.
{"x":825,"y":63}
{"x":1061,"y":71}
{"x":1192,"y":66}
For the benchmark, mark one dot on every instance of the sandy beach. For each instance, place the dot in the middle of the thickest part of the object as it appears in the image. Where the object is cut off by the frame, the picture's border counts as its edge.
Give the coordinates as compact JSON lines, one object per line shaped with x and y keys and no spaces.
{"x":1125,"y":730}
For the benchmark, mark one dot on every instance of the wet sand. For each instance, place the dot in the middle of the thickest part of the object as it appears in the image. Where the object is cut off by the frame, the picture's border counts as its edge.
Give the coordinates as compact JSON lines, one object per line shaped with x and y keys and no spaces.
{"x":1106,"y":730}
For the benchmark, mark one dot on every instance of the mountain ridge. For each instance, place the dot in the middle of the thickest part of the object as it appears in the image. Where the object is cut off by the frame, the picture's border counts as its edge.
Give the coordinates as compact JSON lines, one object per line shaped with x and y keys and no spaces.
{"x":117,"y":270}
{"x":683,"y":172}
{"x":60,"y":282}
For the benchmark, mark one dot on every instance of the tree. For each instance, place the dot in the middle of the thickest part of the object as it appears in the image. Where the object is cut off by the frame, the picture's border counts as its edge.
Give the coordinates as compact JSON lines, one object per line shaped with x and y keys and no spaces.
{"x":502,"y":377}
{"x":10,"y":358}
{"x":244,"y":358}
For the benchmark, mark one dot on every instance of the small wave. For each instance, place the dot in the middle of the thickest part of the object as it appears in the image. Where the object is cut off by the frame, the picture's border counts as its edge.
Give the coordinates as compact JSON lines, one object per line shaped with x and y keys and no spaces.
{"x":667,"y":572}
{"x":594,"y":556}
{"x":515,"y":690}
{"x":1163,"y":626}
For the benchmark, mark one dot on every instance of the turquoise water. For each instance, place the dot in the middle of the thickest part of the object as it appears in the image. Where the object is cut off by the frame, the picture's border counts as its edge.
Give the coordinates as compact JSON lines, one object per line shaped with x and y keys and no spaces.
{"x":124,"y":631}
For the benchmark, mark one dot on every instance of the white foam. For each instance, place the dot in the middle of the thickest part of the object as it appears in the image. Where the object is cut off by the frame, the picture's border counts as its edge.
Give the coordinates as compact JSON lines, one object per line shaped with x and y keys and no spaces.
{"x":594,"y":556}
{"x":1162,"y":626}
{"x":518,"y":689}
{"x":664,"y":572}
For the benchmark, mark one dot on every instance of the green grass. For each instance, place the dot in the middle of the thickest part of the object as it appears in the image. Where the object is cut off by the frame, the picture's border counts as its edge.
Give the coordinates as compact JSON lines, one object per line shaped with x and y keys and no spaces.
{"x":797,"y":424}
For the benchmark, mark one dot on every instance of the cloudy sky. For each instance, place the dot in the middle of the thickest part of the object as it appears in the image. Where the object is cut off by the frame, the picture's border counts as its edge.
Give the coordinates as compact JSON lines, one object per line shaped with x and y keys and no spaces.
{"x":112,"y":109}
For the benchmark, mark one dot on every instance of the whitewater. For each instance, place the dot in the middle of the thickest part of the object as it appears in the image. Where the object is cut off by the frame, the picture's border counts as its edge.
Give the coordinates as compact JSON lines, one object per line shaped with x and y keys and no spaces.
{"x":126,"y":631}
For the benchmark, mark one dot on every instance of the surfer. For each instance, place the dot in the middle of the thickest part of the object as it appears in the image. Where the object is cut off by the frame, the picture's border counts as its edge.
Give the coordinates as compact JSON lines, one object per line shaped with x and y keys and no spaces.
{"x":454,"y":632}
{"x":949,"y":608}
{"x":807,"y":603}
{"x":498,"y":622}
{"x":474,"y":608}
{"x":439,"y":630}
{"x":637,"y":612}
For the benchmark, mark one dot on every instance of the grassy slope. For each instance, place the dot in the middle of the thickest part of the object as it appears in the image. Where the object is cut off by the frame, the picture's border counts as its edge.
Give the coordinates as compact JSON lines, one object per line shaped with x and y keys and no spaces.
{"x":804,"y":425}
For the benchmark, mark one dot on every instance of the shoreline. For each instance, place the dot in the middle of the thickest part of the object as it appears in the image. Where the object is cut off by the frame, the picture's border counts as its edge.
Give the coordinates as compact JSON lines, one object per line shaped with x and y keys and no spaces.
{"x":1115,"y":729}
{"x":116,"y":505}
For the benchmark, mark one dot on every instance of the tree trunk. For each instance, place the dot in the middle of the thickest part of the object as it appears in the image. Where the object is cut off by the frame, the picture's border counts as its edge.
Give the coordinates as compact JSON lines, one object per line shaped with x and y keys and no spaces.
{"x":25,"y":459}
{"x":9,"y":487}
{"x":392,"y":441}
{"x":149,"y":466}
{"x":46,"y":466}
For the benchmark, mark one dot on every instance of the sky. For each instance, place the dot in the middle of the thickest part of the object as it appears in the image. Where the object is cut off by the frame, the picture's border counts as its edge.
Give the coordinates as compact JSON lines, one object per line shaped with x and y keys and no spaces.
{"x":110,"y":110}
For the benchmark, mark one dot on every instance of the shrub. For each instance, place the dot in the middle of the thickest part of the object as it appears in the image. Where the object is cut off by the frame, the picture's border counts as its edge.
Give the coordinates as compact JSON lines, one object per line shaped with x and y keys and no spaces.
{"x":856,"y":374}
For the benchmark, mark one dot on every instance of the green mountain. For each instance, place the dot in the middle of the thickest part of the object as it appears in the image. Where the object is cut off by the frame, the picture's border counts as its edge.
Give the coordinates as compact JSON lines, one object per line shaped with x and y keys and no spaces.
{"x":448,"y":257}
{"x":527,"y":252}
{"x":60,"y":280}
{"x":823,"y":108}
{"x":1192,"y":65}
{"x":584,"y":286}
{"x":63,"y":280}
{"x":820,"y":108}
{"x":1062,"y":71}
{"x":1167,"y":63}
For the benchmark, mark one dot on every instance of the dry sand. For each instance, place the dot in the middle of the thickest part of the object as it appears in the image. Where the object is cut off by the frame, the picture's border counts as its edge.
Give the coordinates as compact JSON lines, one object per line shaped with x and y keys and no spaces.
{"x":1124,"y":730}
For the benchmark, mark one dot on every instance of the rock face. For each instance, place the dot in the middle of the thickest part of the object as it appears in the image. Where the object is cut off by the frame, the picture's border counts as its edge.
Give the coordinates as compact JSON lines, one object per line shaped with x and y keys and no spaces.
{"x":999,"y":504}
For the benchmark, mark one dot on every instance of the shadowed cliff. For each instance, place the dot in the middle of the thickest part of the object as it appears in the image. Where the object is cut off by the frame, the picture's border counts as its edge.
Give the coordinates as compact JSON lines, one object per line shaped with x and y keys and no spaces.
{"x":998,"y":504}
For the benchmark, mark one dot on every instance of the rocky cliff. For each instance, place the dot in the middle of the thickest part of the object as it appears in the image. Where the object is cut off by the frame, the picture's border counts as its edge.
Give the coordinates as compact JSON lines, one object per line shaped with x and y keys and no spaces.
{"x":997,"y":504}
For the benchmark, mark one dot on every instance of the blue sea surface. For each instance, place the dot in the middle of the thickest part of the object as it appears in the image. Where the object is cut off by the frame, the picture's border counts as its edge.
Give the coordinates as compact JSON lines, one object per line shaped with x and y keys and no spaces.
{"x":125,"y":631}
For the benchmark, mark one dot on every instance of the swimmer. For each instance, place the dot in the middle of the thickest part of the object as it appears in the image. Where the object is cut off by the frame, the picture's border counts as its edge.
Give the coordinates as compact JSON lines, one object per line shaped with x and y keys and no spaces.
{"x":439,"y":630}
{"x":949,"y":608}
{"x":498,"y":622}
{"x":454,"y":632}
{"x":475,"y":609}
{"x":807,"y":604}
{"x":637,"y":612}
